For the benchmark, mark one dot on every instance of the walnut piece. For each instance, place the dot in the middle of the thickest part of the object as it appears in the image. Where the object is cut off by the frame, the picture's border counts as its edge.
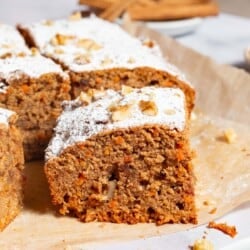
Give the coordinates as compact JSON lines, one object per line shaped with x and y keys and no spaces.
{"x":48,"y":22}
{"x":82,"y":59}
{"x":106,"y":61}
{"x":126,"y":90}
{"x":85,"y":98}
{"x":34,"y":51}
{"x":88,"y":44}
{"x":148,"y":108}
{"x":230,"y":135}
{"x":75,"y":16}
{"x":131,"y":60}
{"x":202,"y":244}
{"x":60,"y":39}
{"x":120,"y":113}
{"x":169,"y":111}
{"x":149,"y":43}
{"x":58,"y":51}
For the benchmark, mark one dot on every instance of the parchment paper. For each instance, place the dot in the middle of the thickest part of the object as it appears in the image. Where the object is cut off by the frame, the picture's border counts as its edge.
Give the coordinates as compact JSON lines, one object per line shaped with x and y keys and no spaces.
{"x":222,"y":170}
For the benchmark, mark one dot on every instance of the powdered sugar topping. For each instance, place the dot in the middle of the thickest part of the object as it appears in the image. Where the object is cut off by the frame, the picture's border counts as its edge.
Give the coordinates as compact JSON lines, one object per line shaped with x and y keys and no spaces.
{"x":5,"y":114}
{"x":33,"y":66}
{"x":11,"y":42}
{"x":137,"y":107}
{"x":94,"y":44}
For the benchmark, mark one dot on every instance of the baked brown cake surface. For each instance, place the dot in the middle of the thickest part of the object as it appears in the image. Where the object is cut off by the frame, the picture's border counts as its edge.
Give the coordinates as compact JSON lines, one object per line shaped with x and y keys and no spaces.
{"x":101,"y":55}
{"x":11,"y":168}
{"x":34,"y":87}
{"x":124,"y":158}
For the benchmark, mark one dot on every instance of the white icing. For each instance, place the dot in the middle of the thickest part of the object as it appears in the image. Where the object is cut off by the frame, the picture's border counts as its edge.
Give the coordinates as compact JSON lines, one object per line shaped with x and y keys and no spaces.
{"x":5,"y":114}
{"x":11,"y":42}
{"x":78,"y":123}
{"x":33,"y":66}
{"x":117,"y":45}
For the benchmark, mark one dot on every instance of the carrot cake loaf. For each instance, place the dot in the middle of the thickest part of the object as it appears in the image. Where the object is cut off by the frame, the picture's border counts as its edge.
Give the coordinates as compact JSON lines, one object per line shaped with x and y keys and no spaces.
{"x":101,"y":55}
{"x":124,"y":158}
{"x":11,"y":42}
{"x":11,"y":168}
{"x":34,"y":87}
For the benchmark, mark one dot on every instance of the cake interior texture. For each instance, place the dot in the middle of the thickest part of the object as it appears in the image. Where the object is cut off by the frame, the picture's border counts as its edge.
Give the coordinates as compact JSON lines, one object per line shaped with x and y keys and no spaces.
{"x":37,"y":101}
{"x":142,"y":174}
{"x":11,"y":173}
{"x":124,"y":158}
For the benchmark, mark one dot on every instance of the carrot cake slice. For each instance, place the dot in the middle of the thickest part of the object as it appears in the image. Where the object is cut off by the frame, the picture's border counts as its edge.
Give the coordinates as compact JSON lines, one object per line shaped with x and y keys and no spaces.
{"x":11,"y":42}
{"x":124,"y":158}
{"x":11,"y":168}
{"x":101,"y":55}
{"x":34,"y":87}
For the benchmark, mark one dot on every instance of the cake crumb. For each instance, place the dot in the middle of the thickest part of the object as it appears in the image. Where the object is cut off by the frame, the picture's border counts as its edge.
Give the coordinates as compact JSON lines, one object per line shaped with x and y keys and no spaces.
{"x":223,"y":227}
{"x":202,"y":244}
{"x":213,"y":211}
{"x":230,"y":135}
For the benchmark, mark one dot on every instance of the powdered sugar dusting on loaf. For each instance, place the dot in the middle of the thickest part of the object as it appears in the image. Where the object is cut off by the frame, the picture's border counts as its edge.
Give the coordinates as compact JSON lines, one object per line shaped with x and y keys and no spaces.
{"x":11,"y":42}
{"x":114,"y":48}
{"x":5,"y":114}
{"x":33,"y":66}
{"x":116,"y":110}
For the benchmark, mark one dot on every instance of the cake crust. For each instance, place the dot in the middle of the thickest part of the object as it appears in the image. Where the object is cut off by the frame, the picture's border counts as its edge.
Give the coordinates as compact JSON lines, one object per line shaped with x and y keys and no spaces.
{"x":124,"y":158}
{"x":34,"y":87}
{"x":11,"y":168}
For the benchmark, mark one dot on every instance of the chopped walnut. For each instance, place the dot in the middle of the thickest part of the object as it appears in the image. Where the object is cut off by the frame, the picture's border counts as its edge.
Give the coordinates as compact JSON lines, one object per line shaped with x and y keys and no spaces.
{"x":88,"y":44}
{"x":6,"y":46}
{"x":126,"y":90}
{"x":97,"y":94}
{"x":6,"y":55}
{"x":120,"y":113}
{"x":82,"y":59}
{"x":111,"y":189}
{"x":106,"y":61}
{"x":75,"y":17}
{"x":85,"y":98}
{"x":48,"y":22}
{"x":149,"y":43}
{"x":131,"y":60}
{"x":229,"y":135}
{"x":169,"y":111}
{"x":58,"y":51}
{"x":177,"y":94}
{"x":60,"y":39}
{"x":95,"y":46}
{"x":202,"y":244}
{"x":21,"y":54}
{"x":34,"y":51}
{"x":148,"y":108}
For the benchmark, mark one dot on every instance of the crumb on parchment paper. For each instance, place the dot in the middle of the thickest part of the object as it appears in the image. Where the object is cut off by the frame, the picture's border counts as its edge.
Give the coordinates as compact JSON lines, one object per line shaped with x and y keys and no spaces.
{"x":202,"y":244}
{"x":223,"y":227}
{"x":230,"y":135}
